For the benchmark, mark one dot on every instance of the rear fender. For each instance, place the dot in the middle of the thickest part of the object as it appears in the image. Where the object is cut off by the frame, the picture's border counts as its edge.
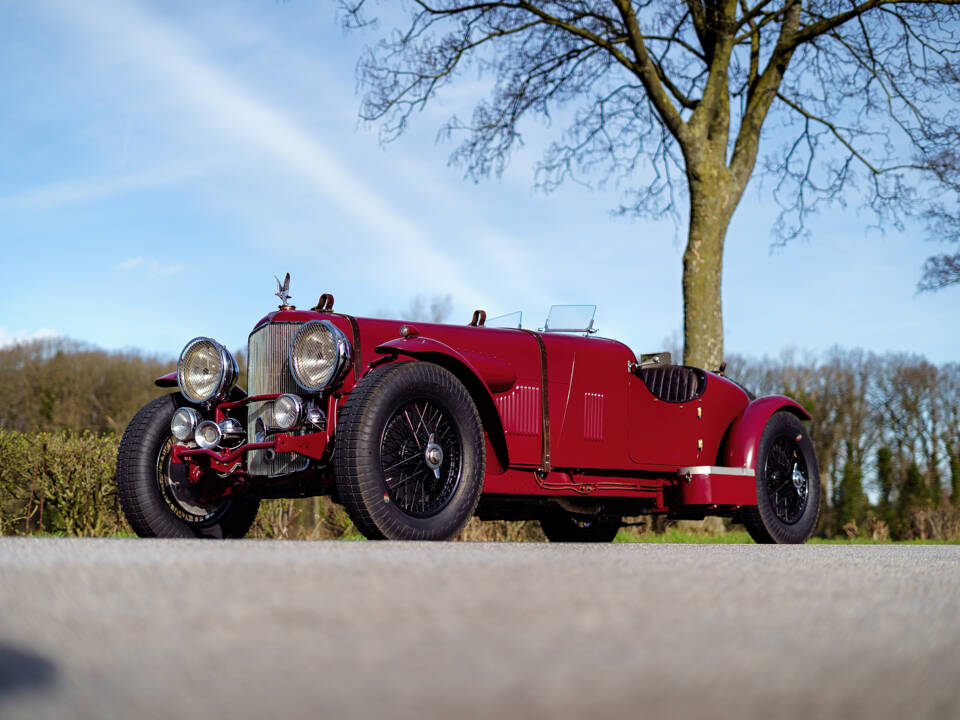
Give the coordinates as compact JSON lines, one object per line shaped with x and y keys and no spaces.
{"x":740,"y":443}
{"x":480,"y":374}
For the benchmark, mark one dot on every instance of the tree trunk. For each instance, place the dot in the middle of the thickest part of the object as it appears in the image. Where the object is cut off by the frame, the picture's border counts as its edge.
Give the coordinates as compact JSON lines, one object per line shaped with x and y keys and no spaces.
{"x":711,"y":207}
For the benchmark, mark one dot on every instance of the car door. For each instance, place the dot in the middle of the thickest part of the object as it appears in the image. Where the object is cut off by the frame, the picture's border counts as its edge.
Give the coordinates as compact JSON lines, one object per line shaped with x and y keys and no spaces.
{"x":661,"y":432}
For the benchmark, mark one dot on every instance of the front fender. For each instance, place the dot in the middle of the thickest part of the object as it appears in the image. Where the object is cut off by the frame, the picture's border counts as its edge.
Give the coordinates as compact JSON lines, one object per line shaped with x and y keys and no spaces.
{"x":743,"y":437}
{"x":497,"y":375}
{"x":168,"y":380}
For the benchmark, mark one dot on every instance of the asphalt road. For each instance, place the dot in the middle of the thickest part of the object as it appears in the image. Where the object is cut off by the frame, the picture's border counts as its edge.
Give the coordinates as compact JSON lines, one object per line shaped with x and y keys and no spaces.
{"x":258,"y":629}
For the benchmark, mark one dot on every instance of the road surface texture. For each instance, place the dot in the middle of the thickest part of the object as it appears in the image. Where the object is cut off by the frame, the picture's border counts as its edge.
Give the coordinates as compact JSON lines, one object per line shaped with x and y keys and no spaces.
{"x":146,"y":629}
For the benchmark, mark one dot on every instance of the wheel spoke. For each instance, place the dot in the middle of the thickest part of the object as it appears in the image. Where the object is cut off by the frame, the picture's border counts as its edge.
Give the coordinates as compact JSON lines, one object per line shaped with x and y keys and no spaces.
{"x":413,"y":432}
{"x":420,"y":443}
{"x":421,"y":423}
{"x":782,"y":485}
{"x":784,"y":459}
{"x":398,"y":464}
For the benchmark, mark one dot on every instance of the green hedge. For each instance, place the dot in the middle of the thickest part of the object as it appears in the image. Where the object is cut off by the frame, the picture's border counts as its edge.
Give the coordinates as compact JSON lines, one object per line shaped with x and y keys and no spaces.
{"x":59,"y":482}
{"x":63,"y":483}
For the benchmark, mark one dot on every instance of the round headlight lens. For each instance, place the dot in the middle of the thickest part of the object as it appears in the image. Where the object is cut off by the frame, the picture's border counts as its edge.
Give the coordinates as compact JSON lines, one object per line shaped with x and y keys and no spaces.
{"x":287,"y":412}
{"x":319,"y":354}
{"x":208,"y":435}
{"x":206,"y":370}
{"x":184,"y":423}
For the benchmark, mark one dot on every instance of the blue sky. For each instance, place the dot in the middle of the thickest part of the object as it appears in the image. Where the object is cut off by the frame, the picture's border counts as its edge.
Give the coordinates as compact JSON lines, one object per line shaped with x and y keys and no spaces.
{"x":161,"y":161}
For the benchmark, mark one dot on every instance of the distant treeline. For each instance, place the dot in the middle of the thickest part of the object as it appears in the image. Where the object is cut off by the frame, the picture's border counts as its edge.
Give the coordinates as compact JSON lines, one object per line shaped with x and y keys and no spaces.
{"x":60,"y":384}
{"x":887,"y":425}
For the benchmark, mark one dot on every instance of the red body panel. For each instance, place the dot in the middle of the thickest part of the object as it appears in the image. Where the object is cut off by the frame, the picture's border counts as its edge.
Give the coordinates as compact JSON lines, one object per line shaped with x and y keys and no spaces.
{"x":713,"y":486}
{"x":563,"y":414}
{"x":680,"y":434}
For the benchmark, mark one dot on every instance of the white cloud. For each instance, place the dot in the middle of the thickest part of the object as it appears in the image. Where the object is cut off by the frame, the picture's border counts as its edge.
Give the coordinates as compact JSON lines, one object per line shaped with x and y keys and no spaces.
{"x":151,"y":267}
{"x":15,"y":337}
{"x":237,"y":114}
{"x":160,"y":270}
{"x":130,"y":263}
{"x":71,"y":192}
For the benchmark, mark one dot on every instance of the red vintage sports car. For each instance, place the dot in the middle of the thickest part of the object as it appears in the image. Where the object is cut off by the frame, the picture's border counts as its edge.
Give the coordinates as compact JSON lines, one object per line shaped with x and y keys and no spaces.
{"x":415,"y":427}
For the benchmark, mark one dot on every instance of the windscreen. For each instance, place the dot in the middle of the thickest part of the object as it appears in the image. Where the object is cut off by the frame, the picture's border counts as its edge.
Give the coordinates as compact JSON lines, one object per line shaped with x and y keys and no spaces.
{"x":571,"y":318}
{"x":510,"y":320}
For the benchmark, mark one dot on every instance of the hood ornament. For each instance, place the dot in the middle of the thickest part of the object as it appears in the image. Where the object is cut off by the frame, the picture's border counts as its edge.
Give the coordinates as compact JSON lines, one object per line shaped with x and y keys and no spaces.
{"x":283,"y":292}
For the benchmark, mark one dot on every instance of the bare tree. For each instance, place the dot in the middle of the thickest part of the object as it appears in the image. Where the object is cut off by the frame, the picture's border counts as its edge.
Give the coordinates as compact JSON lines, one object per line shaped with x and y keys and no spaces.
{"x":673,"y":98}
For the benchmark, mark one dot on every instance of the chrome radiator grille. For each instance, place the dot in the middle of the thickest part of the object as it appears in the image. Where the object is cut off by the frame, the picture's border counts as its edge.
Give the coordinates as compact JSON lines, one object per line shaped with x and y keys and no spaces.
{"x":268,"y":372}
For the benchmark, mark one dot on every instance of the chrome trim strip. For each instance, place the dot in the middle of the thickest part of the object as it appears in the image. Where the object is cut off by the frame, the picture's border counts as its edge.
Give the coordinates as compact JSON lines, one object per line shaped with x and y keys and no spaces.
{"x":545,"y":465}
{"x":716,"y":470}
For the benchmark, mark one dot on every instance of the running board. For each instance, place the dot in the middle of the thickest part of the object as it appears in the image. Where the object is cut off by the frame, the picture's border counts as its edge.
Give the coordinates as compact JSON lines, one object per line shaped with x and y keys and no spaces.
{"x":716,"y":485}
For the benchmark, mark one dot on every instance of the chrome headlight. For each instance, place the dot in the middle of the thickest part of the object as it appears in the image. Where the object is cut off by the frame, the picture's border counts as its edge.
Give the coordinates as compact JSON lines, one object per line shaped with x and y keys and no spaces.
{"x":319,"y":355}
{"x":184,"y":423}
{"x":288,"y":412}
{"x":206,"y":370}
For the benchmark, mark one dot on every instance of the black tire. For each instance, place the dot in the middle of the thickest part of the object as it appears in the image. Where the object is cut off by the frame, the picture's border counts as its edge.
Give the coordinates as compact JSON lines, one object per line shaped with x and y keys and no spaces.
{"x":788,"y":484}
{"x":154,"y":493}
{"x":376,"y":439}
{"x":561,"y":526}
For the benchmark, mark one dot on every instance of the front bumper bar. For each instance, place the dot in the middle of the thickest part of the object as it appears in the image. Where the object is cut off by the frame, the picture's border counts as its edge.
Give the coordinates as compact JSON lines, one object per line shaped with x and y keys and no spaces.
{"x":312,"y":445}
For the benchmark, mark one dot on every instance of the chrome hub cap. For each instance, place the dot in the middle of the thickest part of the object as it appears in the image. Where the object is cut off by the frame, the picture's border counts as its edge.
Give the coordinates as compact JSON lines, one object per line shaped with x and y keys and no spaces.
{"x":799,"y":481}
{"x":433,"y":456}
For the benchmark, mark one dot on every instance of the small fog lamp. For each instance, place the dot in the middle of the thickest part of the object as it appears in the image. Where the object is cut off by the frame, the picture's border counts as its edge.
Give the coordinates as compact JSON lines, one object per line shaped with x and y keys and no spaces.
{"x":208,"y":435}
{"x":184,"y":423}
{"x":288,"y":412}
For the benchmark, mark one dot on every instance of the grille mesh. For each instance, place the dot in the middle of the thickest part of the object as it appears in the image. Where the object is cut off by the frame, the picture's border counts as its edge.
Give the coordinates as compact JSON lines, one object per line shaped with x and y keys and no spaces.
{"x":268,"y":372}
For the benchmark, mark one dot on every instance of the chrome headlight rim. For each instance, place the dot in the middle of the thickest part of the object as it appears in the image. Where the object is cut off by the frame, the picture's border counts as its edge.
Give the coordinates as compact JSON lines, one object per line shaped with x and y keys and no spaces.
{"x":211,"y":443}
{"x":297,"y":412}
{"x":189,"y":419}
{"x":227,"y":378}
{"x":341,"y":363}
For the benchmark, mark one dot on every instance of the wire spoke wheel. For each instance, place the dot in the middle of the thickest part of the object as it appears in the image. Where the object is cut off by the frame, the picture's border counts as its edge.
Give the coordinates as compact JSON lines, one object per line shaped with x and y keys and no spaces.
{"x":421,"y":458}
{"x":788,"y":481}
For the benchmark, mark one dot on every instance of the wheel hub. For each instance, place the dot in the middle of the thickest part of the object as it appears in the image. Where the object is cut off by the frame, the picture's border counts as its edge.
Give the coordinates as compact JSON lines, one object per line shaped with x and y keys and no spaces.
{"x":799,"y":481}
{"x":180,"y":487}
{"x":433,"y":456}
